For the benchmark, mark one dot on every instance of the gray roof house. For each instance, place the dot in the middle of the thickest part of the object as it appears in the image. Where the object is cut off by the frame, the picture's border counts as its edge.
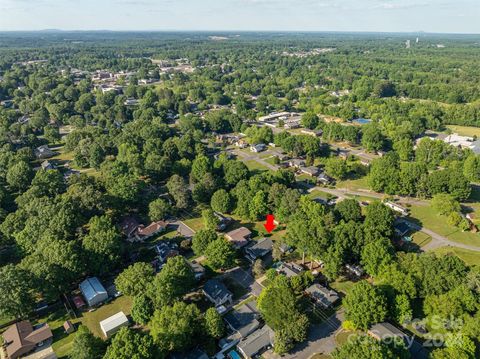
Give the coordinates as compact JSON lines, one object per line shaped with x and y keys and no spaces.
{"x":93,"y":291}
{"x":311,"y":171}
{"x":198,"y":270}
{"x":321,"y":295}
{"x":289,"y":269}
{"x":43,"y":151}
{"x":324,"y":178}
{"x":259,"y":250}
{"x":256,"y":342}
{"x":244,"y":319}
{"x":217,"y":293}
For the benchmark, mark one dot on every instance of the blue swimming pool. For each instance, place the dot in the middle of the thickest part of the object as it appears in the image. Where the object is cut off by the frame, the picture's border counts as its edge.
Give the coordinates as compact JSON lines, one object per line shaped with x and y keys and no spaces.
{"x":362,"y":121}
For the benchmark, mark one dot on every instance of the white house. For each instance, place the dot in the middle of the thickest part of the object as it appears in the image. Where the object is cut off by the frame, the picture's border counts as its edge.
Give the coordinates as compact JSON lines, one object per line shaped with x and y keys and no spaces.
{"x":113,"y":324}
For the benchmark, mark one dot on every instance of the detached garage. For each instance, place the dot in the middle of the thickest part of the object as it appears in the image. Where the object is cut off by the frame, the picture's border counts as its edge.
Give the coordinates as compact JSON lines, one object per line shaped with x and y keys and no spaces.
{"x":93,"y":291}
{"x":113,"y":324}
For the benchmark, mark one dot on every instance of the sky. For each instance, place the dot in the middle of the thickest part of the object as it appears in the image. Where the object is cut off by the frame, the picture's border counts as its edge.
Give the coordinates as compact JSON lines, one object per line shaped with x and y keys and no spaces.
{"x":444,"y":16}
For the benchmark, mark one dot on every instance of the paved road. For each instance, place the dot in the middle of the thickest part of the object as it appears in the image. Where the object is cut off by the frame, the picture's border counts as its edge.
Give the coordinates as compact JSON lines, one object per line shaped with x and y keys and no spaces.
{"x":321,"y":339}
{"x":437,"y":239}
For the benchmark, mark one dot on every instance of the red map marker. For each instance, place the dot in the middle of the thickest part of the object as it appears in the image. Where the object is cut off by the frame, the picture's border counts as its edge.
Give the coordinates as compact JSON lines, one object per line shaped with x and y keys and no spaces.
{"x":269,"y":225}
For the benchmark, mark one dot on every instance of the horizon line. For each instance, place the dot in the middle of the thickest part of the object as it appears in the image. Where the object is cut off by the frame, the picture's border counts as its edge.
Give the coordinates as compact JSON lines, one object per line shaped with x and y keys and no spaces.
{"x":419,"y":32}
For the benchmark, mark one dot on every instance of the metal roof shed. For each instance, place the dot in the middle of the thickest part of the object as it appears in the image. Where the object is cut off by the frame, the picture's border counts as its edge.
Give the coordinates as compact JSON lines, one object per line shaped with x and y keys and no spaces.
{"x":93,"y":291}
{"x":113,"y":324}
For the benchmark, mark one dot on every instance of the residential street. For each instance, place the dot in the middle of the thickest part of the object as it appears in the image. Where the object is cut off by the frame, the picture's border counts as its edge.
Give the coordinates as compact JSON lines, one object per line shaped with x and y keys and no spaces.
{"x":321,"y":339}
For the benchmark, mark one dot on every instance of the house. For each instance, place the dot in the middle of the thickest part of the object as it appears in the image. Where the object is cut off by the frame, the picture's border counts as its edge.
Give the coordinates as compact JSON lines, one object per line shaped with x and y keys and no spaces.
{"x":291,"y":124}
{"x":78,"y":302}
{"x":22,"y":338}
{"x":256,"y":342}
{"x":239,"y":237}
{"x":165,"y":250}
{"x":258,"y":147}
{"x":131,"y":102}
{"x":198,"y":270}
{"x":112,"y":324}
{"x":43,"y":152}
{"x":243,"y":320}
{"x":296,"y":163}
{"x":143,"y":233}
{"x":343,"y":153}
{"x":93,"y":291}
{"x":322,"y":295}
{"x":401,"y":228}
{"x":129,"y":226}
{"x":289,"y":269}
{"x":217,"y":293}
{"x":6,"y":103}
{"x":241,"y":143}
{"x":397,"y":208}
{"x":259,"y":250}
{"x":354,"y":269}
{"x":311,"y":171}
{"x":388,"y":332}
{"x":47,"y":165}
{"x":68,"y":327}
{"x":315,"y":133}
{"x":324,"y":179}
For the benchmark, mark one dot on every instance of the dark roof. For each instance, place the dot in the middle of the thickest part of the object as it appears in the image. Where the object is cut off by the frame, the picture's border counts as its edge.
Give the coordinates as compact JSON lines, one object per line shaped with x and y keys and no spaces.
{"x":243,"y":319}
{"x":261,"y":248}
{"x":256,"y":341}
{"x":402,"y":228}
{"x":166,"y":249}
{"x":322,"y":295}
{"x":289,"y":269}
{"x":192,"y":354}
{"x":216,"y":289}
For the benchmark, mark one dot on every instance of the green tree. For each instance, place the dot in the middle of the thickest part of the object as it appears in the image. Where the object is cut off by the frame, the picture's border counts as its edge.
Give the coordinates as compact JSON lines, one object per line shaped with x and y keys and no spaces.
{"x":310,"y":120}
{"x":175,"y":280}
{"x":279,"y":308}
{"x":444,"y":204}
{"x":258,"y":206}
{"x":363,"y":347}
{"x":142,"y":309}
{"x":349,"y":210}
{"x":402,"y":311}
{"x":220,"y":254}
{"x":377,"y":255}
{"x":178,"y":189}
{"x":210,"y":220}
{"x":174,"y":328}
{"x":102,"y":244}
{"x":86,"y":346}
{"x":221,"y":201}
{"x":471,"y":168}
{"x":129,"y":344}
{"x":159,"y":209}
{"x":372,"y":138}
{"x":19,"y":176}
{"x":135,"y":280}
{"x":17,"y":298}
{"x":336,"y":168}
{"x":378,"y":220}
{"x":214,"y":325}
{"x":364,"y":305}
{"x":234,"y":172}
{"x":404,"y":149}
{"x":202,"y":239}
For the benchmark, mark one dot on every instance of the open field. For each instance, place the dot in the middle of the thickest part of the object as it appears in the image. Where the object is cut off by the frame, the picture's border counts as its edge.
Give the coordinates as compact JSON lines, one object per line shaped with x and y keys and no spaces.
{"x":255,"y":166}
{"x":429,"y":219}
{"x":355,"y":184}
{"x":465,"y":130}
{"x":469,"y":257}
{"x":421,"y":239}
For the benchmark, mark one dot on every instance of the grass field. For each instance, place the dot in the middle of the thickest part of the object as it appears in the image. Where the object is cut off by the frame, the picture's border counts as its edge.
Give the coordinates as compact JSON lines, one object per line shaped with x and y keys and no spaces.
{"x":429,"y":219}
{"x":355,"y":184}
{"x":255,"y":166}
{"x":465,"y":130}
{"x":469,"y":257}
{"x":342,"y":285}
{"x":421,"y":239}
{"x":320,"y":194}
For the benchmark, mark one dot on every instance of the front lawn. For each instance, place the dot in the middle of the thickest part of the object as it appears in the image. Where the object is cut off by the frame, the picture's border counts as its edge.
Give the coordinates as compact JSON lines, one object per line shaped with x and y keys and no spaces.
{"x":431,"y":220}
{"x":470,"y":257}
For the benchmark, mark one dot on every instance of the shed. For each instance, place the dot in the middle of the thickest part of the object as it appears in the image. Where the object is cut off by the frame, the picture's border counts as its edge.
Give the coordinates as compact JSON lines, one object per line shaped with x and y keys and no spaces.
{"x":113,"y":324}
{"x":93,"y":291}
{"x":68,"y":327}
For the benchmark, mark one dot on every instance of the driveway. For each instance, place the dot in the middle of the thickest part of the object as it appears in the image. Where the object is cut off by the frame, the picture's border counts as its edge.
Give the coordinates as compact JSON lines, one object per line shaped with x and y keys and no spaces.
{"x":321,"y":339}
{"x":245,"y":280}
